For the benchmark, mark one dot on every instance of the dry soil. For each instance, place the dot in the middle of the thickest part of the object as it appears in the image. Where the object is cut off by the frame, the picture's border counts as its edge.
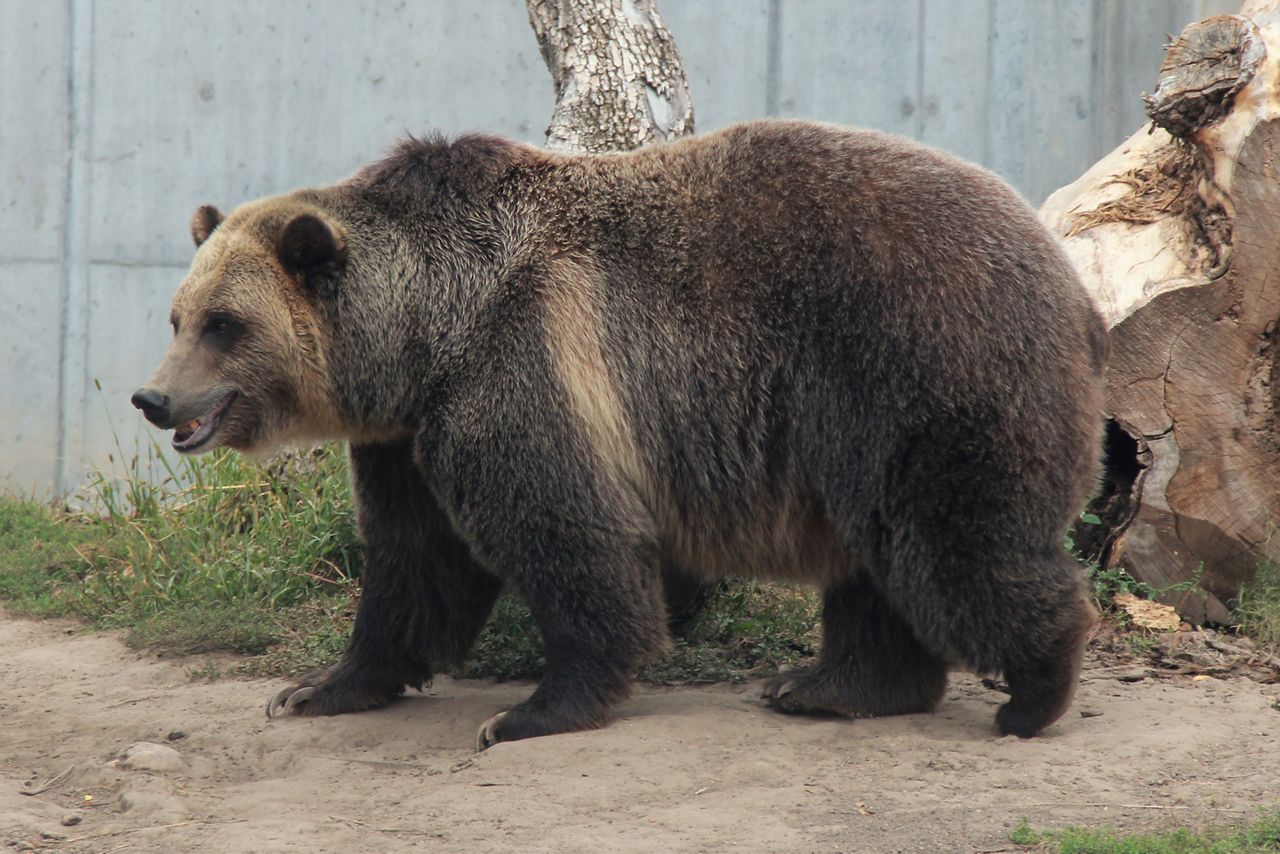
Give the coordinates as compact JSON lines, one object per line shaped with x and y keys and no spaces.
{"x":680,"y":769}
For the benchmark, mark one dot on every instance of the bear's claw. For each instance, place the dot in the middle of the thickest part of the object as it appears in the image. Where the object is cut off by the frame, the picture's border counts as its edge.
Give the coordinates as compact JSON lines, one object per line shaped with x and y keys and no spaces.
{"x":802,"y":693}
{"x":487,"y":736}
{"x":776,"y":689}
{"x":288,"y":700}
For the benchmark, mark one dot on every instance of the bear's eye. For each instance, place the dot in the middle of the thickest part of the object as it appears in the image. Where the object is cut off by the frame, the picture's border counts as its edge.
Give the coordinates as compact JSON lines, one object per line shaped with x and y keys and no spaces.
{"x":221,"y":326}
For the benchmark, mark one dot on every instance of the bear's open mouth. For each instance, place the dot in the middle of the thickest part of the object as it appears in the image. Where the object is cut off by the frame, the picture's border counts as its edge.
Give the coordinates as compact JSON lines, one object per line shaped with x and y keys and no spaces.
{"x":196,"y":432}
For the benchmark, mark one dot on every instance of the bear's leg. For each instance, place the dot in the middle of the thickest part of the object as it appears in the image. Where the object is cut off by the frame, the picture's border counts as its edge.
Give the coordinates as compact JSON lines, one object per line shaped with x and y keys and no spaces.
{"x":600,"y":617}
{"x":1042,"y":678}
{"x":1026,"y":616}
{"x":423,"y":599}
{"x":871,"y":663}
{"x":686,"y":593}
{"x":548,"y":510}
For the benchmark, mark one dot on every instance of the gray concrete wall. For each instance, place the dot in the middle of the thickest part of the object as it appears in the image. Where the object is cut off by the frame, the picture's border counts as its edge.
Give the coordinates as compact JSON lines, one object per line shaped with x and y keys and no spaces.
{"x":119,"y":117}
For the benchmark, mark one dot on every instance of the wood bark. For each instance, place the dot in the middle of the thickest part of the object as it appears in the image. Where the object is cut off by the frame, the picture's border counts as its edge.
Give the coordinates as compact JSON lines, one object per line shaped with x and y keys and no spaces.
{"x":619,"y":80}
{"x":1177,"y":235}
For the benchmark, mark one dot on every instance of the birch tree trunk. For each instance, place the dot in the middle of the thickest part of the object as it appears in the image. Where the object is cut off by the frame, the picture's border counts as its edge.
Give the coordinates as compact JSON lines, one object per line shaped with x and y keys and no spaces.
{"x":1177,"y":235}
{"x":619,"y":80}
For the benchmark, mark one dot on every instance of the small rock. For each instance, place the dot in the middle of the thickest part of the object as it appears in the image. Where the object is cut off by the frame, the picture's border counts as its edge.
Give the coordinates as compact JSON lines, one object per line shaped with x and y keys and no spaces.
{"x":70,"y":819}
{"x":146,"y":756}
{"x":176,"y":735}
{"x":1090,"y":713}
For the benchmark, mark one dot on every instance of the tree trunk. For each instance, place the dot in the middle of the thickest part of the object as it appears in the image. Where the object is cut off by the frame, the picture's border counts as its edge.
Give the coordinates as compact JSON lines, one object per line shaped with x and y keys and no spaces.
{"x":619,"y":81}
{"x":1177,"y":235}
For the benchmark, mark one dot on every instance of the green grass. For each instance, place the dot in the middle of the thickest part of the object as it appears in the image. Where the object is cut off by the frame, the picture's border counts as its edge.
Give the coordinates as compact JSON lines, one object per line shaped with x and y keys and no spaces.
{"x":223,"y":554}
{"x":1110,"y":582}
{"x":746,"y":629}
{"x":1258,"y":606}
{"x":213,"y":554}
{"x":1261,"y":835}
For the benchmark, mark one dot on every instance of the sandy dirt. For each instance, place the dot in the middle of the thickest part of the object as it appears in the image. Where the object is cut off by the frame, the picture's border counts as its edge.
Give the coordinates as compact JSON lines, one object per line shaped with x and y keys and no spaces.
{"x":680,"y":769}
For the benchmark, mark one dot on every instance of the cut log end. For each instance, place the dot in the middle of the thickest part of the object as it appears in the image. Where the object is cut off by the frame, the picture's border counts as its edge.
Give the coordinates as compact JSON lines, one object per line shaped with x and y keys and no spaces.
{"x":1203,"y":70}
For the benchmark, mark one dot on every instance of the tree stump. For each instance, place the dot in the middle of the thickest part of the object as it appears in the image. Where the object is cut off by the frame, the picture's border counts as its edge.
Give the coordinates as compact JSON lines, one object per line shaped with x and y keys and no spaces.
{"x":1177,"y":235}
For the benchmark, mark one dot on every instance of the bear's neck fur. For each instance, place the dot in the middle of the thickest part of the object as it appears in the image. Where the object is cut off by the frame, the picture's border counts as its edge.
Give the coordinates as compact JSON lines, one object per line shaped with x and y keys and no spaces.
{"x":440,"y":229}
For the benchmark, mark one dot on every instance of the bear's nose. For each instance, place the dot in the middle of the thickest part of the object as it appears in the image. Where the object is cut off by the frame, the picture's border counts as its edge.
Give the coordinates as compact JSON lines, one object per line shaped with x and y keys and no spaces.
{"x":154,"y":405}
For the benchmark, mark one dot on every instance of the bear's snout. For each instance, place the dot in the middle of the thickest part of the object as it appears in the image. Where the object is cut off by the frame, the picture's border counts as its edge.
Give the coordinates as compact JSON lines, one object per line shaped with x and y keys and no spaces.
{"x":154,"y":406}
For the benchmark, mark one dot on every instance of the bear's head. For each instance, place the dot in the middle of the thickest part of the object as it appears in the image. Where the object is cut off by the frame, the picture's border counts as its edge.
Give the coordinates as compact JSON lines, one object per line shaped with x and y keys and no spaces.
{"x":246,"y":368}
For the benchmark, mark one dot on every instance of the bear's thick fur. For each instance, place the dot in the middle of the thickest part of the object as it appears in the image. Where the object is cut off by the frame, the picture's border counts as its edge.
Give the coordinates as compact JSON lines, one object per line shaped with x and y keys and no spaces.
{"x":784,"y":350}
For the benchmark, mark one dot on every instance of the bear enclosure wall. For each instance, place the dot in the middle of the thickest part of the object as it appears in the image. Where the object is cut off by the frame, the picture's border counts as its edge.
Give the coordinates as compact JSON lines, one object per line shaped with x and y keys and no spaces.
{"x":118,"y":118}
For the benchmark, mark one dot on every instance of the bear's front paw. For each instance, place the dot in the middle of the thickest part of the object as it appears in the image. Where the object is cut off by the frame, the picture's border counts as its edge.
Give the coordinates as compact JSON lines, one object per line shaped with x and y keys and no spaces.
{"x":538,"y":719}
{"x":804,"y":692}
{"x":779,"y":693}
{"x":488,"y":735}
{"x":290,"y":700}
{"x":334,"y":693}
{"x":775,"y":690}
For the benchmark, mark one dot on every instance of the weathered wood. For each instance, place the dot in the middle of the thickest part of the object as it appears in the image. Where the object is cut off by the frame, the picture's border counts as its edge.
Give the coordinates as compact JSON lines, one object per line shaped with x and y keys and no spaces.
{"x":619,"y":80}
{"x":1202,"y":71}
{"x":1177,"y":233}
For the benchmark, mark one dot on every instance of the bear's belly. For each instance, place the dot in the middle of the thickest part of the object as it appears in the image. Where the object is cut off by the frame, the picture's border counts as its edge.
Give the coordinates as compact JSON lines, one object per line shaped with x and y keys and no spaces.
{"x":783,"y":544}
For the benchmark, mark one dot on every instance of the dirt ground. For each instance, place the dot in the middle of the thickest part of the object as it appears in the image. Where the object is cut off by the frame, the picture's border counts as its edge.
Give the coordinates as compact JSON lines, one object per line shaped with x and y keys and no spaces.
{"x":680,"y":769}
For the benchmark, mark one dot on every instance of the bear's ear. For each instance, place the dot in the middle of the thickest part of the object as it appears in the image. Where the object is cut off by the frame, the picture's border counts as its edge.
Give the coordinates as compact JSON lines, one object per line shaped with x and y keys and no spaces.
{"x":311,"y":244}
{"x":203,"y":222}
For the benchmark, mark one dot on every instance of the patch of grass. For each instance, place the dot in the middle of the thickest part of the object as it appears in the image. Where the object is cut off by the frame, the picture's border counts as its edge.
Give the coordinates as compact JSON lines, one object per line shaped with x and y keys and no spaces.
{"x":214,"y":553}
{"x":195,"y":629}
{"x":1110,"y":582}
{"x":1106,"y":582}
{"x":1140,"y":644}
{"x":205,"y":671}
{"x":1257,"y":608}
{"x":509,"y":647}
{"x":44,"y":556}
{"x":1022,"y":834}
{"x":745,"y":630}
{"x":1261,"y":835}
{"x":313,"y":637}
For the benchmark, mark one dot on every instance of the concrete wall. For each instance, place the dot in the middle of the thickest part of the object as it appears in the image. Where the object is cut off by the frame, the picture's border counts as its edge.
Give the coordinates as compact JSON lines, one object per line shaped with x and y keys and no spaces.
{"x":119,"y":117}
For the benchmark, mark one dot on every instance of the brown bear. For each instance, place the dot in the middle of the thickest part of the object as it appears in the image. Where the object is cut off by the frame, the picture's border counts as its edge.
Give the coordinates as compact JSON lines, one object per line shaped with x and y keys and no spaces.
{"x":783,"y":350}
